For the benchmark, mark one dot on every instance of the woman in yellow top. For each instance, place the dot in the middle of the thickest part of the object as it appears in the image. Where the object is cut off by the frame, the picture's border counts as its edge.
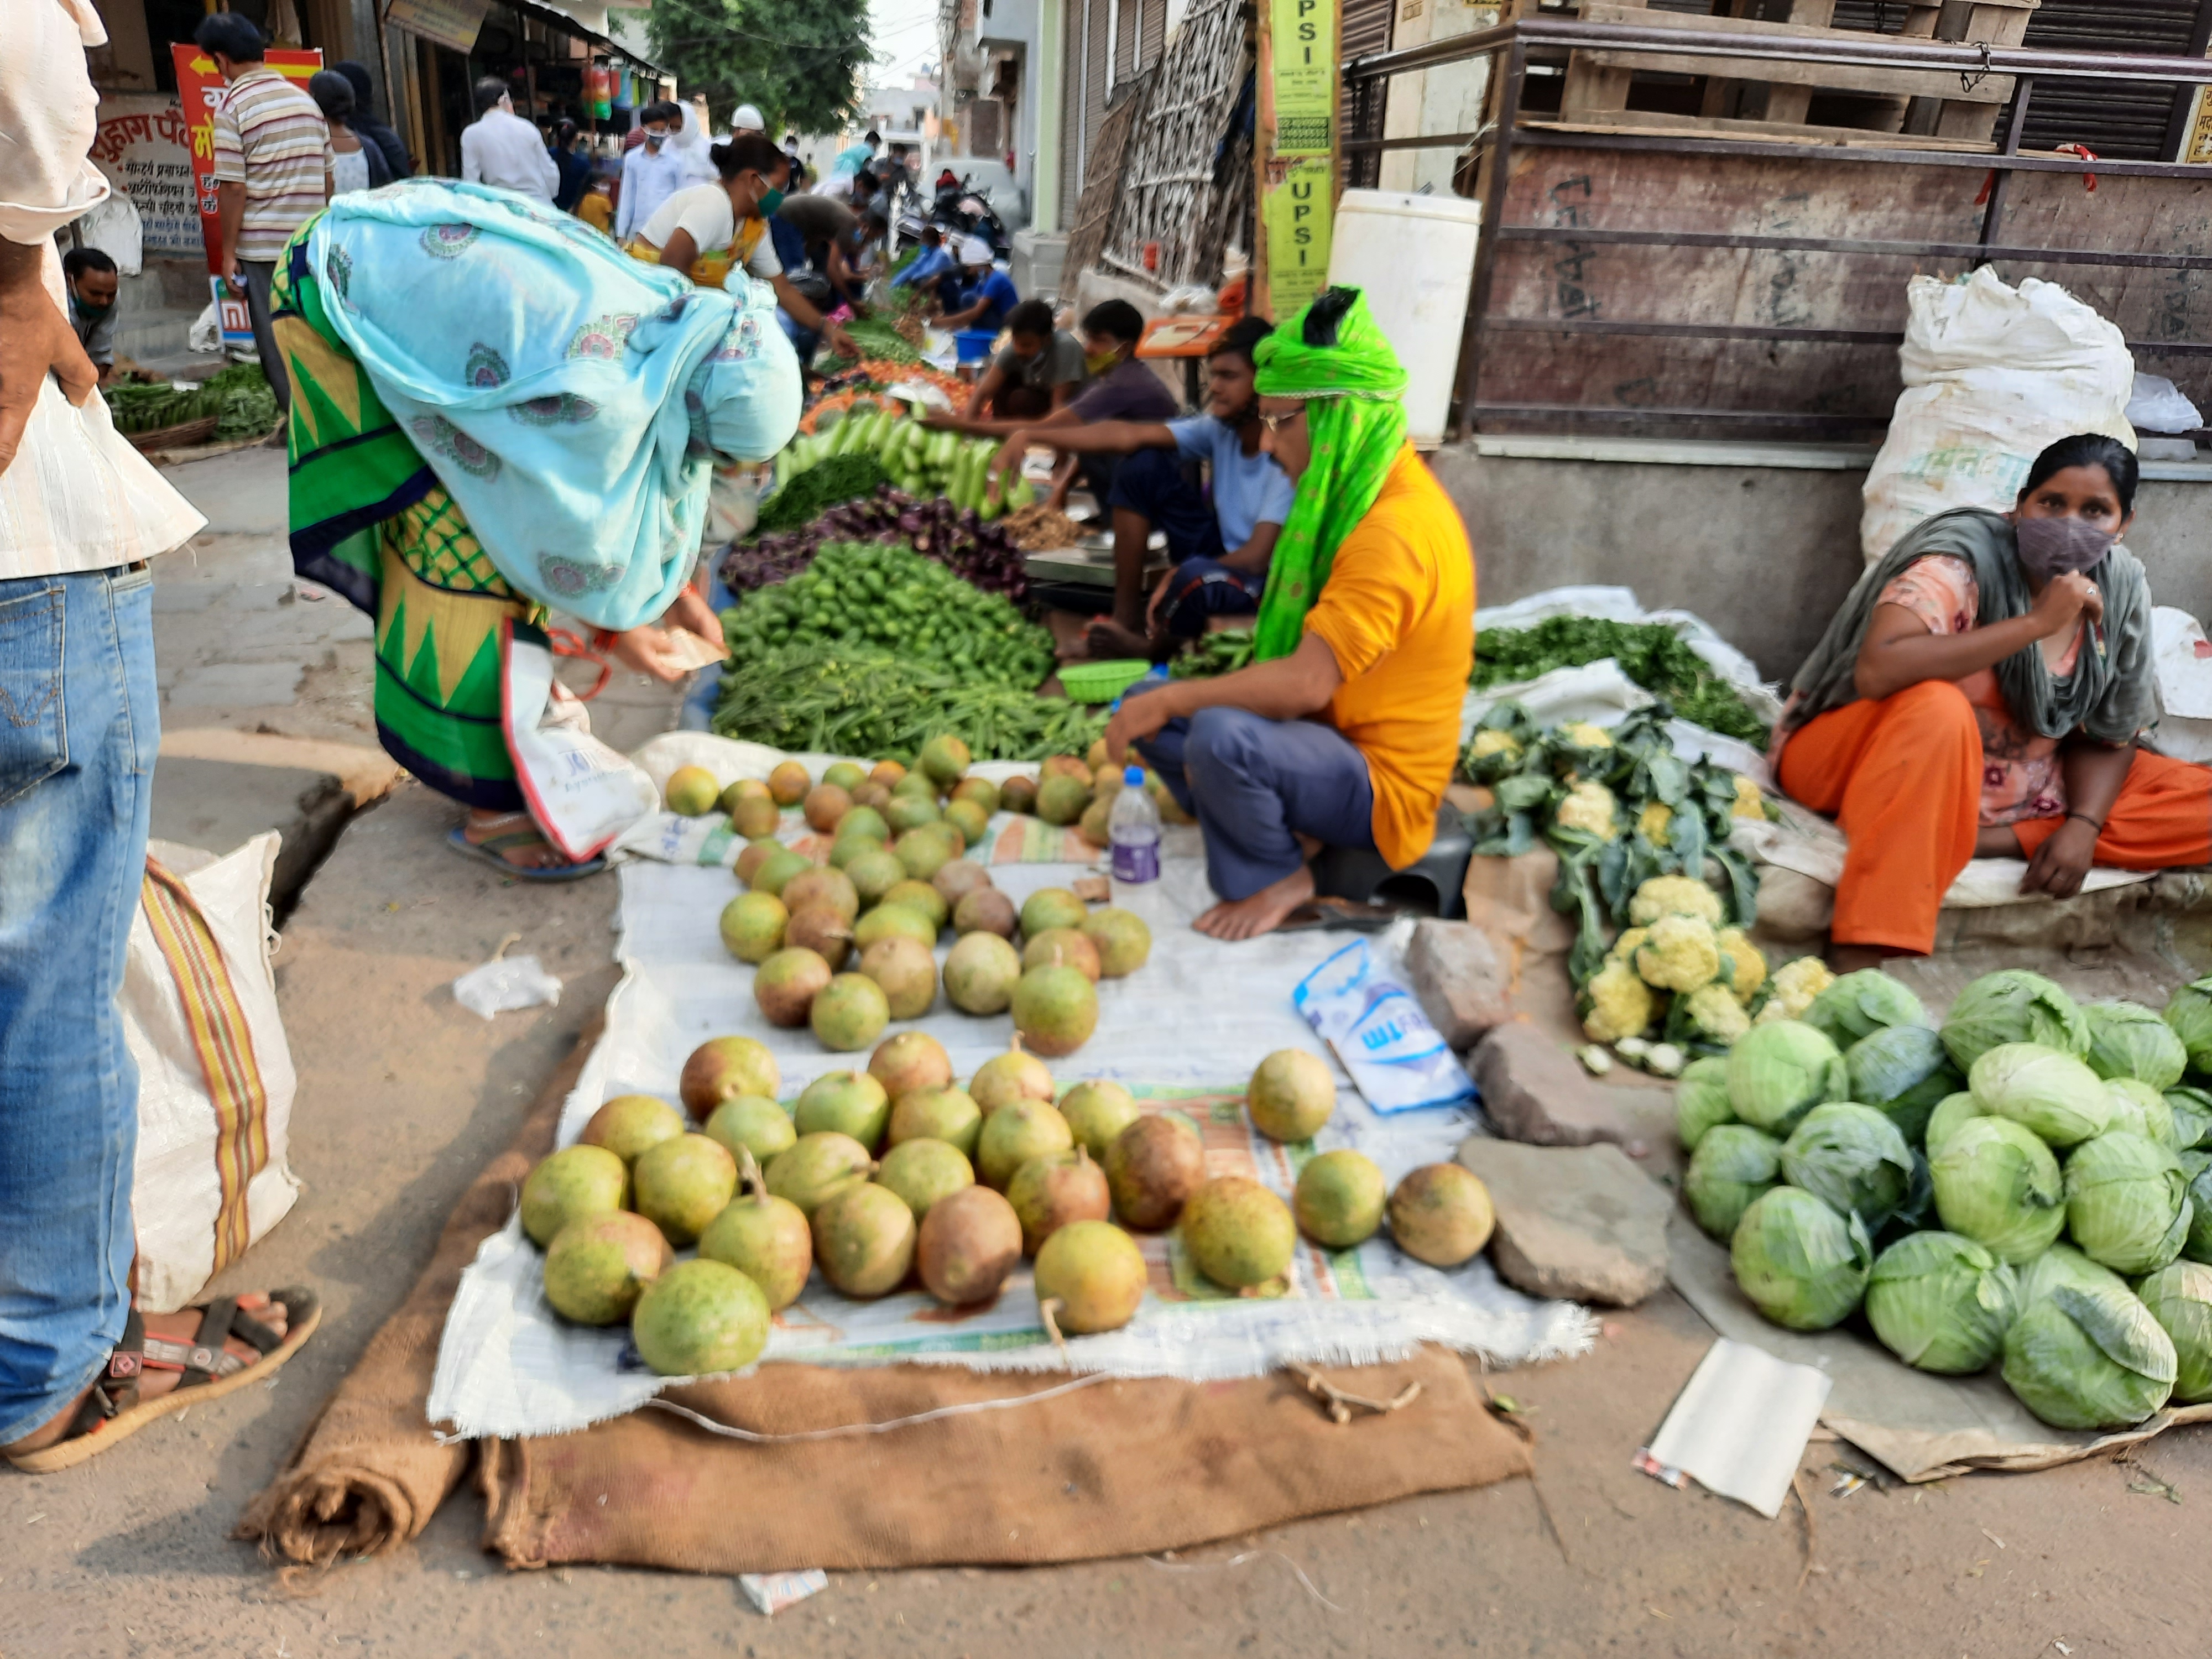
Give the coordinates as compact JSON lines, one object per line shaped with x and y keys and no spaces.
{"x":1345,"y":730}
{"x":706,"y":229}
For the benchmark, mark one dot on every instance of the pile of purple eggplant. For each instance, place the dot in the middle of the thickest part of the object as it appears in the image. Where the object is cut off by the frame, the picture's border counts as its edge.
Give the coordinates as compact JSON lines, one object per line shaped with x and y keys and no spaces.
{"x":983,"y":555}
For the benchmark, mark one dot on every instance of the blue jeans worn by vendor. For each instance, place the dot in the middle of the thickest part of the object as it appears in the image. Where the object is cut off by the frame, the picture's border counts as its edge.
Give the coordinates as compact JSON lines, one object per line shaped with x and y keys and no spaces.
{"x":1345,"y":730}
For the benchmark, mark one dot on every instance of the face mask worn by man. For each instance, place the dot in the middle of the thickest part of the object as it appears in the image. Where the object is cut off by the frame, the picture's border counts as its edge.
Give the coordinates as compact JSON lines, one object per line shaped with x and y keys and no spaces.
{"x":1097,"y":362}
{"x":771,"y":198}
{"x":2058,"y":547}
{"x":90,"y":312}
{"x":655,"y":139}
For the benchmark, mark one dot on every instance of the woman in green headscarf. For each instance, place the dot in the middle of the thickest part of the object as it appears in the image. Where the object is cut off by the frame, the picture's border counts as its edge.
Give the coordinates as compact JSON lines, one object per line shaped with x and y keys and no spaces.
{"x":1344,"y":731}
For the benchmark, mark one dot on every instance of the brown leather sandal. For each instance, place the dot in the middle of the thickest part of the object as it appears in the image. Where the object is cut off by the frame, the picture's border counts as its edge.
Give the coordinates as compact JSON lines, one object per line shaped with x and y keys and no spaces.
{"x":113,"y":1412}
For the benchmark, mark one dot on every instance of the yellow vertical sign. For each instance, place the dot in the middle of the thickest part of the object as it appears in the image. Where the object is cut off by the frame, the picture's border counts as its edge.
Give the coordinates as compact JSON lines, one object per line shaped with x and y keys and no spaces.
{"x":1298,"y":152}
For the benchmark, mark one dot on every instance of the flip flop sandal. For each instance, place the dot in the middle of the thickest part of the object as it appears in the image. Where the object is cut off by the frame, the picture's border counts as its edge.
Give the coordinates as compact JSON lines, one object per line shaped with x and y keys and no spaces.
{"x":489,"y":847}
{"x":113,"y":1412}
{"x":1341,"y":916}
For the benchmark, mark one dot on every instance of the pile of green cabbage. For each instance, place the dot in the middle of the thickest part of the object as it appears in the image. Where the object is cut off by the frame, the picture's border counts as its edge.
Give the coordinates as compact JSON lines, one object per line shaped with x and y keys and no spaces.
{"x":2027,"y":1184}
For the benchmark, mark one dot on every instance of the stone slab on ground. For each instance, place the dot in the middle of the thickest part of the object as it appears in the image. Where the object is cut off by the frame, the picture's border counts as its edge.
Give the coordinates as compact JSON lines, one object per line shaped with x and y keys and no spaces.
{"x":1463,"y":976}
{"x":1533,"y":1090}
{"x":216,"y":790}
{"x":1580,"y":1222}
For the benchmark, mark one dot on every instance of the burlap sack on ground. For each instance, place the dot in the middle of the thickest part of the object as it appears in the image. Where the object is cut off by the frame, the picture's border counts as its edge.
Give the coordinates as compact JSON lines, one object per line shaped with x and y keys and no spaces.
{"x":1115,"y":1469}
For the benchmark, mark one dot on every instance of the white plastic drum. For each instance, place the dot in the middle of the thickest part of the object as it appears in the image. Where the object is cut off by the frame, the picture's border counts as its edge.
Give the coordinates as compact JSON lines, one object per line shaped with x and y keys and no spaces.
{"x":1414,"y":257}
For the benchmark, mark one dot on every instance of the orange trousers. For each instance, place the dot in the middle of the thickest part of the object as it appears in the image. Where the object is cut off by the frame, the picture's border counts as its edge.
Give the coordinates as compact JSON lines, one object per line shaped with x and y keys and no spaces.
{"x":1903,"y":777}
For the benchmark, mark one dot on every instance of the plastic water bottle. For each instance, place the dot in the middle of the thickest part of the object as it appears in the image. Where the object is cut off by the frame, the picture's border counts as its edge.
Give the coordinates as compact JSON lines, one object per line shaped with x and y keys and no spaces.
{"x":1133,"y":830}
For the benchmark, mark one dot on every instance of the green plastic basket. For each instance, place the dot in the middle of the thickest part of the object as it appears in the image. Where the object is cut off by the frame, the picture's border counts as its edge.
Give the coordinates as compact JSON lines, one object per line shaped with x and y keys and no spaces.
{"x":1101,"y":682}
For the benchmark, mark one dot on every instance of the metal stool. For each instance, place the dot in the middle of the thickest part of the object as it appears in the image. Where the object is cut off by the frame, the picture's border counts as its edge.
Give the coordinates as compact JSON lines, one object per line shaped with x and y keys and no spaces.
{"x":1434,"y":882}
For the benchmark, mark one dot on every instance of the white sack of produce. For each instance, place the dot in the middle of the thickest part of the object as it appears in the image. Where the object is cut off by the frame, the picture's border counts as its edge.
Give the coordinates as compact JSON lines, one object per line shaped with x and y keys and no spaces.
{"x":2182,"y":659}
{"x":215,"y":1073}
{"x":1993,"y":376}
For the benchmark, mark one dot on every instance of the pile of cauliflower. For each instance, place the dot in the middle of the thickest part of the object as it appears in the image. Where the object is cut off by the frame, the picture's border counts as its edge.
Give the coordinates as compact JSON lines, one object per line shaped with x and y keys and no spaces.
{"x":1675,"y":951}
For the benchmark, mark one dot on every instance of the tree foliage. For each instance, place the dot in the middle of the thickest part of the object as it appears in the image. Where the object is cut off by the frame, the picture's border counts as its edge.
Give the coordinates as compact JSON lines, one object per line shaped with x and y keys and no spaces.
{"x":799,"y":61}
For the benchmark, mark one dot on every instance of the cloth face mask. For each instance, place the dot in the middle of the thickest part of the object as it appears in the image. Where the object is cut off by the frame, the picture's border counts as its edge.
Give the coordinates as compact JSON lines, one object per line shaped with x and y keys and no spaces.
{"x":2055,"y":547}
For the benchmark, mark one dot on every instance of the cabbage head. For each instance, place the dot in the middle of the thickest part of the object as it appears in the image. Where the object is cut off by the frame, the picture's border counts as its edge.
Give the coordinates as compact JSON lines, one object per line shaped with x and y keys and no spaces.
{"x":2013,"y":1006}
{"x":2054,"y":1094}
{"x":1950,"y":1112}
{"x":1858,"y":1005}
{"x":2062,"y":1264}
{"x":2197,"y":1166}
{"x":1998,"y":1185}
{"x":1917,"y":1212}
{"x":2085,"y":1359}
{"x":1852,"y":1159}
{"x":2179,"y":1297}
{"x":2141,"y":1109}
{"x":2193,"y":1117}
{"x":1701,"y":1101}
{"x":1903,"y":1072}
{"x":1778,"y":1072}
{"x":2128,"y":1040}
{"x":1733,"y":1167}
{"x":1802,"y":1264}
{"x":2189,"y":1011}
{"x":1942,"y":1302}
{"x":2127,"y":1202}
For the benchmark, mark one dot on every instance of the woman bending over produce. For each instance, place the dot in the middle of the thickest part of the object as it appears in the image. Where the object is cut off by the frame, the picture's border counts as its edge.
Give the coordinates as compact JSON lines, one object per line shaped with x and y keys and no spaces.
{"x":1979,"y":695}
{"x":1345,"y":730}
{"x":508,"y":417}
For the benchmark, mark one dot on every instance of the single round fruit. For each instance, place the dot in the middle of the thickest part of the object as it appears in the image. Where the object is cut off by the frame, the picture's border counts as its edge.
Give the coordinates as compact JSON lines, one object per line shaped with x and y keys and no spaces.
{"x":743,"y":789}
{"x":845,"y":774}
{"x":980,"y":972}
{"x":816,"y":1166}
{"x":887,"y":774}
{"x":981,"y":791}
{"x":1056,"y":1009}
{"x":1049,"y":907}
{"x":1062,"y":947}
{"x":920,"y":895}
{"x":889,"y":920}
{"x":722,"y":1068}
{"x":754,"y":1122}
{"x":1066,"y":766}
{"x":629,"y":1124}
{"x":846,"y":848}
{"x":822,"y":885}
{"x":785,"y":984}
{"x":1096,"y":1113}
{"x":850,"y":1013}
{"x":874,"y":873}
{"x":907,"y":972}
{"x":1092,"y":825}
{"x":757,"y":818}
{"x":767,"y":1239}
{"x":864,"y":821}
{"x":777,"y":868}
{"x":951,"y":1116}
{"x":823,"y":929}
{"x":573,"y":1183}
{"x":1152,"y":1166}
{"x":1238,"y":1233}
{"x":915,"y":786}
{"x":1014,"y":1134}
{"x":1015,"y":1075}
{"x":699,"y":1318}
{"x":875,"y":797}
{"x":968,"y":1243}
{"x":970,"y":820}
{"x":825,"y":803}
{"x":1441,"y":1214}
{"x":789,"y":783}
{"x":844,"y":1103}
{"x":985,"y":910}
{"x":910,"y":810}
{"x":693,"y":792}
{"x":923,"y":1171}
{"x":1123,"y":939}
{"x":922,"y":852}
{"x":1061,"y":800}
{"x":758,"y":851}
{"x":1017,"y":795}
{"x":1049,"y":1192}
{"x":1339,"y":1199}
{"x":1090,"y":1276}
{"x":945,"y":758}
{"x":908,"y":1062}
{"x":1290,"y":1095}
{"x":752,"y":926}
{"x":956,"y":881}
{"x":1095,"y":757}
{"x":683,"y":1184}
{"x":598,"y":1266}
{"x":864,"y":1239}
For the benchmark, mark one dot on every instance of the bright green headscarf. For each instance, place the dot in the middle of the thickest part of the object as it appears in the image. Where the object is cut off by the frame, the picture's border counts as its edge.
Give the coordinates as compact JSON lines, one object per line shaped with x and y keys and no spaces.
{"x":1333,"y":354}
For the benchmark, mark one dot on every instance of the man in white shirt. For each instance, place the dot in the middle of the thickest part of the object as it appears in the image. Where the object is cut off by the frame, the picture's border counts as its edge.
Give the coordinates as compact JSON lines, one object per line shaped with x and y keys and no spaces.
{"x":653,"y":172}
{"x":82,"y":513}
{"x":500,"y":147}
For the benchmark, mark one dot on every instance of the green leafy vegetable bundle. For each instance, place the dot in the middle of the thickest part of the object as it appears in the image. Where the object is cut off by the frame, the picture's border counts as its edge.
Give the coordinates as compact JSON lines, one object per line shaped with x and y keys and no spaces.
{"x":1652,"y":654}
{"x":832,"y":483}
{"x":1222,"y":652}
{"x":880,"y":339}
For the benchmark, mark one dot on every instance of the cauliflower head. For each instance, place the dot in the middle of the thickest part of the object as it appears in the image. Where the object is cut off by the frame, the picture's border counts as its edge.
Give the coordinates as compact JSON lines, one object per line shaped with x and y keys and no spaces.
{"x":1794,"y":986}
{"x":1617,"y":1004}
{"x":1491,"y":741}
{"x":1589,"y":807}
{"x":1675,"y":895}
{"x":1583,"y":735}
{"x":1625,"y":947}
{"x":1748,"y":967}
{"x":1717,"y":1016}
{"x":1679,"y":954}
{"x":1749,"y":802}
{"x":1652,"y":822}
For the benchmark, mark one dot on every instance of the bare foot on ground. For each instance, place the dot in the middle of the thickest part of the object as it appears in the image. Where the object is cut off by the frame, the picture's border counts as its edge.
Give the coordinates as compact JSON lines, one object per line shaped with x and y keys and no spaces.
{"x":1262,"y":913}
{"x":1108,"y":640}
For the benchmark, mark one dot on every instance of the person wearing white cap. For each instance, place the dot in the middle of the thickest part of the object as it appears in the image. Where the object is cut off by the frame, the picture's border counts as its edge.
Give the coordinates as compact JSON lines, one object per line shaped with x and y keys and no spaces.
{"x":988,"y":295}
{"x":747,"y":119}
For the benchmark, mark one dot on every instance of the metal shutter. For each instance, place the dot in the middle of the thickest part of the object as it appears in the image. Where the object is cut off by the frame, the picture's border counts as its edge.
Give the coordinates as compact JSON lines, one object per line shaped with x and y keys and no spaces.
{"x":2125,"y":120}
{"x":1364,"y":26}
{"x":1153,"y":34}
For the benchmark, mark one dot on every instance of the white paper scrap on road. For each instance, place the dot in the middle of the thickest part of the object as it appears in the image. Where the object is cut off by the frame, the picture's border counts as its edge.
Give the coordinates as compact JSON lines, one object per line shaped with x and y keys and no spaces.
{"x":1184,"y":1032}
{"x":1740,"y":1425}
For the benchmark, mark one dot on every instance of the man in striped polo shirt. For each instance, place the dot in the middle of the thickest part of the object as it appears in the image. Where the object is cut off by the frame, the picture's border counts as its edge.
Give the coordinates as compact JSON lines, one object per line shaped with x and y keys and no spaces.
{"x":272,"y":171}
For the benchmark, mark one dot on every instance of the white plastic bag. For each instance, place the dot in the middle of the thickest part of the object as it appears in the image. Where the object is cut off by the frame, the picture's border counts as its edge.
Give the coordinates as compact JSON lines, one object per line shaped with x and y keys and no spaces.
{"x":580,"y":792}
{"x":2158,"y":405}
{"x":1993,"y":376}
{"x":506,"y":983}
{"x":2182,"y":660}
{"x":206,"y":332}
{"x":1398,"y":1060}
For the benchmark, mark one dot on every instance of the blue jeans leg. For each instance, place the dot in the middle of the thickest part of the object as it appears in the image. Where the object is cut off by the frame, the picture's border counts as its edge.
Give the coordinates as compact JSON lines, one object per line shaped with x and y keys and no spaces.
{"x":1151,"y":484}
{"x":1256,"y":785}
{"x":1200,"y":590}
{"x":77,"y":742}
